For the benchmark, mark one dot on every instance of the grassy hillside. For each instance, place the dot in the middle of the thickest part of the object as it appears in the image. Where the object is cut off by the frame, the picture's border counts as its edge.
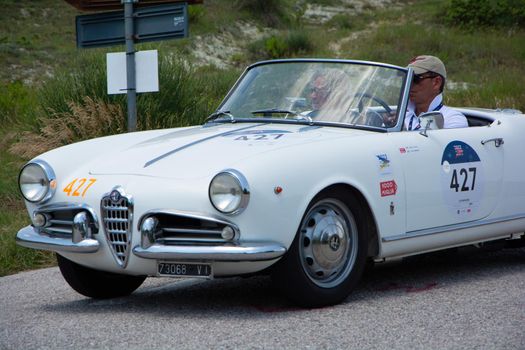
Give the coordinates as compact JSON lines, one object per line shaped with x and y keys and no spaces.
{"x":53,"y":93}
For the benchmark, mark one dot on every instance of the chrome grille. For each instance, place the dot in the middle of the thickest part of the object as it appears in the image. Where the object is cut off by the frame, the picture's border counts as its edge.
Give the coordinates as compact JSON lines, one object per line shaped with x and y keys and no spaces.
{"x":175,"y":228}
{"x":190,"y":235}
{"x":59,"y":219}
{"x":117,"y":219}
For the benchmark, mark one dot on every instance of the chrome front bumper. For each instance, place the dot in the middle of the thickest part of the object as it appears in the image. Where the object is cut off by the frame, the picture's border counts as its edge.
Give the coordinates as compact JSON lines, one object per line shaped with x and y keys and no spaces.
{"x":231,"y":252}
{"x":30,"y":238}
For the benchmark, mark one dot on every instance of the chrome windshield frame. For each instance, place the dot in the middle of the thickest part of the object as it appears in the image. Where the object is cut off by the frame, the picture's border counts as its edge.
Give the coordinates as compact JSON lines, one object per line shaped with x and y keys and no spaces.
{"x":402,"y":104}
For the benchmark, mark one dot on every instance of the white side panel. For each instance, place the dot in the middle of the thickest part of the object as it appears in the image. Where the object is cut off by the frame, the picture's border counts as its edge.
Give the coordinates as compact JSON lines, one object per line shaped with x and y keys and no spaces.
{"x":433,"y":242}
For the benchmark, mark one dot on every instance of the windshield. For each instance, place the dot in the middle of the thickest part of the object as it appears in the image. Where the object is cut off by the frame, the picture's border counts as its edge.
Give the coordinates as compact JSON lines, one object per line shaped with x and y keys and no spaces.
{"x":349,"y":93}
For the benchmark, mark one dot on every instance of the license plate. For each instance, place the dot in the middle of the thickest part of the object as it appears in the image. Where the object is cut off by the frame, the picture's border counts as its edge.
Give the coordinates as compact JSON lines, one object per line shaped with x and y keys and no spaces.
{"x":184,"y":270}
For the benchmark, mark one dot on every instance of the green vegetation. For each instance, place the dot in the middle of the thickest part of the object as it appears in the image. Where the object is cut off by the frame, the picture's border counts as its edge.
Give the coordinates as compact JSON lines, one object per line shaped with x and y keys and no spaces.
{"x":52,"y":93}
{"x":486,"y":13}
{"x":187,"y":96}
{"x":489,"y":62}
{"x":13,"y":216}
{"x":17,"y":102}
{"x":35,"y":37}
{"x":294,"y":43}
{"x":275,"y":12}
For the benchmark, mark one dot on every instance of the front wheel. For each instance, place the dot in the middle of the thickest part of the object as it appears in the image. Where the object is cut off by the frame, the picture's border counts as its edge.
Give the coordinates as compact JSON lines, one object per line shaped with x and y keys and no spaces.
{"x":328,"y":254}
{"x":97,"y":284}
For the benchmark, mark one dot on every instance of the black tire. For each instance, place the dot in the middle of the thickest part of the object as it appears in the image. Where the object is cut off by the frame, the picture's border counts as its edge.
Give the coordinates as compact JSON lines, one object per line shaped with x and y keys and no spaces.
{"x":97,"y":284}
{"x":328,"y":255}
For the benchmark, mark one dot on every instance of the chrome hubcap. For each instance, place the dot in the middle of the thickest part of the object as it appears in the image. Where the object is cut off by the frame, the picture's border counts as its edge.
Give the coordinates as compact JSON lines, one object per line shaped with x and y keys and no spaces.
{"x":328,"y":243}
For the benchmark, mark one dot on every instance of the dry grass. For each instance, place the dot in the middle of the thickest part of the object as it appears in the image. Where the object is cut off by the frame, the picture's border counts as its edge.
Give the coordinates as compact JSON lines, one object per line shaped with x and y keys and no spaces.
{"x":86,"y":120}
{"x":11,"y":202}
{"x":7,"y":139}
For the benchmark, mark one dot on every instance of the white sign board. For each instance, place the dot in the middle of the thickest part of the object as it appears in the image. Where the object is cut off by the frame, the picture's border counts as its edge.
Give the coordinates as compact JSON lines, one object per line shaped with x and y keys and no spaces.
{"x":146,"y":72}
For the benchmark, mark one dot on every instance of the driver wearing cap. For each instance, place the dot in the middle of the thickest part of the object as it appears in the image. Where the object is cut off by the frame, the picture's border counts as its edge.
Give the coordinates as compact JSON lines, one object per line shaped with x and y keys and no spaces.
{"x":426,"y":94}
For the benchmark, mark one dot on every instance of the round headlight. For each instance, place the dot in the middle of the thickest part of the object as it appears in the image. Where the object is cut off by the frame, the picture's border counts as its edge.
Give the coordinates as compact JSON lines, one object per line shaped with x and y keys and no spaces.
{"x":37,"y":181}
{"x":229,"y":192}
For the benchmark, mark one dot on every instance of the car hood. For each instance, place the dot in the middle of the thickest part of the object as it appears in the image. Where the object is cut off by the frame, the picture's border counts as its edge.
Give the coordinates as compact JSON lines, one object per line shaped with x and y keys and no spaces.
{"x":205,"y":150}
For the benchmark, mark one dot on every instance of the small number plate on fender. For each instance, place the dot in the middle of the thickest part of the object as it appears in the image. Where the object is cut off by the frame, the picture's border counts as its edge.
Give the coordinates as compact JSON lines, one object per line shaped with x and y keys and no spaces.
{"x":172,"y":269}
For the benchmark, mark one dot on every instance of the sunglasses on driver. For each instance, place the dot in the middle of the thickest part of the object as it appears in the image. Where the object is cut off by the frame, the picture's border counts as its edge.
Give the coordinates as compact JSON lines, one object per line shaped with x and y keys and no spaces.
{"x":420,"y":77}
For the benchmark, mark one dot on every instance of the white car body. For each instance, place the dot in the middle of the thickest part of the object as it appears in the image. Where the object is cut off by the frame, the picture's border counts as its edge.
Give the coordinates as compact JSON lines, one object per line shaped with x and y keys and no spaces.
{"x":421,"y":191}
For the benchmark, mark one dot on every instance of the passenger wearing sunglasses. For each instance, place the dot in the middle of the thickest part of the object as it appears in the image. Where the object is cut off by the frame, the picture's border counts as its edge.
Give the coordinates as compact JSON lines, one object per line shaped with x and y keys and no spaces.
{"x":319,"y":92}
{"x":426,"y":94}
{"x":328,"y":94}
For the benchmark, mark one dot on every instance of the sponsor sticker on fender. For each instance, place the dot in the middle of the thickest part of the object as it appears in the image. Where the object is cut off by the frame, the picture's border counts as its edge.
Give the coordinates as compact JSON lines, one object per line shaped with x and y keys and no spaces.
{"x":462,"y":178}
{"x":408,"y":149}
{"x":388,"y":188}
{"x":384,"y":164}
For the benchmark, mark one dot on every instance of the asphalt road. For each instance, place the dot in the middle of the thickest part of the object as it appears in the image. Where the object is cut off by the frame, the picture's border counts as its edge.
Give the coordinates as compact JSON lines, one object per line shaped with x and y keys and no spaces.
{"x":470,"y":300}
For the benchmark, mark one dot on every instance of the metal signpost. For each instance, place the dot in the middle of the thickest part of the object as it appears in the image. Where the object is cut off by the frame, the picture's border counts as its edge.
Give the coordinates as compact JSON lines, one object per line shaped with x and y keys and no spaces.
{"x":130,"y":64}
{"x":168,"y":21}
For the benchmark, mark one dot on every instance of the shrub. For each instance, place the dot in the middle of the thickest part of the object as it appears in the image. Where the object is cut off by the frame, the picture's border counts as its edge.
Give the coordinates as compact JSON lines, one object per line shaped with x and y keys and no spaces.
{"x":272,"y":12}
{"x":88,"y":119}
{"x":343,"y":21}
{"x":299,"y":43}
{"x":485,"y":13}
{"x":182,"y":99}
{"x":195,"y":13}
{"x":187,"y":95}
{"x":294,"y":43}
{"x":85,"y":77}
{"x":16,"y":103}
{"x":275,"y":47}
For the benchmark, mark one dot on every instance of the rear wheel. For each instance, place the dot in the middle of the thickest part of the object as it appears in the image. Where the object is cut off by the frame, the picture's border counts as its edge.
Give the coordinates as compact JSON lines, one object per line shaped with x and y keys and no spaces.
{"x":97,"y":284}
{"x":328,"y":254}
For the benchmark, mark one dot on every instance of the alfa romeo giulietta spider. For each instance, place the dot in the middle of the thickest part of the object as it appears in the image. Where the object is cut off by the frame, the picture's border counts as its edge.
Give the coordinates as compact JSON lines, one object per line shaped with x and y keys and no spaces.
{"x":305,"y":181}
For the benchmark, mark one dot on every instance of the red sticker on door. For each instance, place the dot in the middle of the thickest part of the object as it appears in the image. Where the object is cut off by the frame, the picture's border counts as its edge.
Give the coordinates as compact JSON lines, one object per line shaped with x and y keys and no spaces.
{"x":388,"y":188}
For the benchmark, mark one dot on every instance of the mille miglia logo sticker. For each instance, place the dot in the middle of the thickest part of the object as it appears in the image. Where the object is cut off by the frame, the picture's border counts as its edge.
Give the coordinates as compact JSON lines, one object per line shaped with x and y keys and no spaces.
{"x":388,"y":188}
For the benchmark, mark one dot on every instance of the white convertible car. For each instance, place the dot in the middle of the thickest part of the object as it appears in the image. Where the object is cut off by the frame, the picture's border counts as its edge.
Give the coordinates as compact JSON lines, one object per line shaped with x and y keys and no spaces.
{"x":304,"y":172}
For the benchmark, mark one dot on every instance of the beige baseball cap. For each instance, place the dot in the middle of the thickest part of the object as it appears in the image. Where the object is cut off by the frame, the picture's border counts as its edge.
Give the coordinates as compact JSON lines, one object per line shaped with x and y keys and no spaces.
{"x":425,"y":63}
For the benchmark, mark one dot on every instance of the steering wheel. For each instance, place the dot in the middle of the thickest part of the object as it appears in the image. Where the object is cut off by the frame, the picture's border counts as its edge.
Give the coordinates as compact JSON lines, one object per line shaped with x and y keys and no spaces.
{"x":373,"y":118}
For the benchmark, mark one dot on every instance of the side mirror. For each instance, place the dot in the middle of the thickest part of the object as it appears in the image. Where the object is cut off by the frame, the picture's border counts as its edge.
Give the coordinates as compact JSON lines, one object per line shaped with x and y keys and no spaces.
{"x":431,"y":121}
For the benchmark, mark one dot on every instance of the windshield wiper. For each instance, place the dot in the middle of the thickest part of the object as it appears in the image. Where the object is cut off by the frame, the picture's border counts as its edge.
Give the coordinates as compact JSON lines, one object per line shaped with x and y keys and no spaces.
{"x":274,"y":111}
{"x":218,"y":114}
{"x":296,"y":115}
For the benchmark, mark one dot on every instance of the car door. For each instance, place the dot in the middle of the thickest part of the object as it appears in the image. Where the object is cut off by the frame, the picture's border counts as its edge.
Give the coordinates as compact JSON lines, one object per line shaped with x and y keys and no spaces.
{"x":451,"y":177}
